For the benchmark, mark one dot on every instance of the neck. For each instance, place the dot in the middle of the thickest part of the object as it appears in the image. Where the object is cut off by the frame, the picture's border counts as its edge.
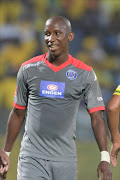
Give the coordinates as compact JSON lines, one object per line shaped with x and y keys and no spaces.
{"x":57,"y":60}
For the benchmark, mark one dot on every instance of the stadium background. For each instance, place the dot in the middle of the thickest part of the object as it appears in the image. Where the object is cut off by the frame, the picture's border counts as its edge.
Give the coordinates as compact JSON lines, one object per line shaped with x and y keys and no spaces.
{"x":96,"y":24}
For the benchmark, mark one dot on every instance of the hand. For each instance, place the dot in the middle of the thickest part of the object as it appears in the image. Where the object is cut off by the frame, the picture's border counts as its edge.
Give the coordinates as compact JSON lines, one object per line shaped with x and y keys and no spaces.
{"x":4,"y":164}
{"x":3,"y":177}
{"x":3,"y":172}
{"x":104,"y":167}
{"x":115,"y":148}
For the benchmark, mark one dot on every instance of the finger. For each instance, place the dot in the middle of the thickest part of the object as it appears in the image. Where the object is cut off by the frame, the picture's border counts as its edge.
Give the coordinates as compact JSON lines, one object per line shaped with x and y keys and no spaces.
{"x":3,"y":170}
{"x":107,"y":173}
{"x":6,"y":168}
{"x":113,"y":158}
{"x":113,"y":161}
{"x":4,"y":161}
{"x":3,"y":176}
{"x":99,"y":174}
{"x":106,"y":178}
{"x":117,"y":153}
{"x":109,"y":176}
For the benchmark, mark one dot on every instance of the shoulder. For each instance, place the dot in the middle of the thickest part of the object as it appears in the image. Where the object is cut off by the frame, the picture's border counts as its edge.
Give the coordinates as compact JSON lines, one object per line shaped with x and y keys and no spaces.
{"x":118,"y":88}
{"x":117,"y":91}
{"x":33,"y":60}
{"x":79,"y":64}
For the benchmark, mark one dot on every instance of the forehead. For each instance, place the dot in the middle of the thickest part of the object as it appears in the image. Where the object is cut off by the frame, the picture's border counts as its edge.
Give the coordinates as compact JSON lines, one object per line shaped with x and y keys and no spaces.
{"x":52,"y":25}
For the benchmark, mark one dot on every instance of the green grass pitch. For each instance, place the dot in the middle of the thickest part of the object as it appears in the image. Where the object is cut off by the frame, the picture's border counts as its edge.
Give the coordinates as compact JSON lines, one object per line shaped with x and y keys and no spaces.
{"x":88,"y":160}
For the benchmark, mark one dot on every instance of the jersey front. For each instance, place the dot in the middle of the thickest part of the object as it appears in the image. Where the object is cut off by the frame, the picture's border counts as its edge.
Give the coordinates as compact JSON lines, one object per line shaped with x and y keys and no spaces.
{"x":52,"y":96}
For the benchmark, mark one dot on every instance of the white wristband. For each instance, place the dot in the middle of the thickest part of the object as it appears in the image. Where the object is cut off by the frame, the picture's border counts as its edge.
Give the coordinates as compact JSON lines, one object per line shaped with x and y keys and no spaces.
{"x":8,"y":153}
{"x":105,"y":156}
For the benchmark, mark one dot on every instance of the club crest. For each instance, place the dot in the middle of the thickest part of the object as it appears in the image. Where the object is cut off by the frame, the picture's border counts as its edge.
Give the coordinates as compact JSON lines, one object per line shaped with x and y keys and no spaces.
{"x":71,"y":74}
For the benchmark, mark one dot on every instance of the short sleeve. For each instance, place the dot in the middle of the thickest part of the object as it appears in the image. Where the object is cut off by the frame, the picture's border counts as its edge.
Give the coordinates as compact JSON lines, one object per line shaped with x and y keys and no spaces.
{"x":21,"y":93}
{"x":92,"y":95}
{"x":117,"y":91}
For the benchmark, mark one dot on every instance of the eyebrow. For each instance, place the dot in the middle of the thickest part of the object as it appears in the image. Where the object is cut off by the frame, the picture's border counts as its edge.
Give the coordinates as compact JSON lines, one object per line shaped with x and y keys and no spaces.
{"x":54,"y":30}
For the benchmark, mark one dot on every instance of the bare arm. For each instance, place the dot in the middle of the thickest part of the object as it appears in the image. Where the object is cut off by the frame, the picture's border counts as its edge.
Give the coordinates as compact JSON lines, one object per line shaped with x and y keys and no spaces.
{"x":14,"y":125}
{"x":100,"y":132}
{"x":113,"y":110}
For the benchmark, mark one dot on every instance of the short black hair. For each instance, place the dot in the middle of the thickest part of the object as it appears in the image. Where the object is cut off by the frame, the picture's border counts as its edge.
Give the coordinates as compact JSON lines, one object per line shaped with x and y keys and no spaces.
{"x":63,"y":19}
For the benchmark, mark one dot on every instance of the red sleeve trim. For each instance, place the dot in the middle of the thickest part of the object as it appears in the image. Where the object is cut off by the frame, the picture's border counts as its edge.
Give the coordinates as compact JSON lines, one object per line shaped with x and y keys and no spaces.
{"x":96,"y":109}
{"x":18,"y":106}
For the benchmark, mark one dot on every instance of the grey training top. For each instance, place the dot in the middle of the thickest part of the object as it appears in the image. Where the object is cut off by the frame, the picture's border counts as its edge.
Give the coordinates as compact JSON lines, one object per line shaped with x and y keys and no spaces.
{"x":52,"y":96}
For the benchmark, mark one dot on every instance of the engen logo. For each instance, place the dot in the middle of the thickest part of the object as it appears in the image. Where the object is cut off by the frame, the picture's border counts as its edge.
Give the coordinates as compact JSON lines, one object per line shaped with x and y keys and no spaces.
{"x":52,"y":89}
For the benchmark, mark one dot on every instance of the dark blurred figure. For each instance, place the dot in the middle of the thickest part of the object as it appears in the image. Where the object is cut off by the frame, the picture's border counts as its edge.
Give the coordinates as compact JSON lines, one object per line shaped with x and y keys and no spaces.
{"x":90,"y":21}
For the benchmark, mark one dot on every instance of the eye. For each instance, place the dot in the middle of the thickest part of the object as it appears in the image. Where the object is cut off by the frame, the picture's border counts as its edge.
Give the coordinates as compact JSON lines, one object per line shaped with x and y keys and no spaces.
{"x":57,"y":33}
{"x":47,"y":34}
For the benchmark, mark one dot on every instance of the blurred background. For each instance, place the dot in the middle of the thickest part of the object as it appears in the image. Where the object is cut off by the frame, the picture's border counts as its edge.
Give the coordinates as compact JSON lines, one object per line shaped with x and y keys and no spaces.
{"x":96,"y":24}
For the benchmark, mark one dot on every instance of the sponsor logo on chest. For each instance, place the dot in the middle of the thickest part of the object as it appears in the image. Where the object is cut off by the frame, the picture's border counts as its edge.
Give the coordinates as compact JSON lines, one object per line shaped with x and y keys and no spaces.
{"x":52,"y":89}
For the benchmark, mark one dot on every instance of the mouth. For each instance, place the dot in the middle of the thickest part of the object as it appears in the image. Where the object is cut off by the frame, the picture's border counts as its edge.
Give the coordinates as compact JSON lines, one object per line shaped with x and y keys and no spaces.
{"x":52,"y":47}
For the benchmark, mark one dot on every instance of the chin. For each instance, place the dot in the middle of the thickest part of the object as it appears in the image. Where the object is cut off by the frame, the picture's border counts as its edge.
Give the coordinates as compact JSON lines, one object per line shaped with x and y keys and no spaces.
{"x":55,"y":54}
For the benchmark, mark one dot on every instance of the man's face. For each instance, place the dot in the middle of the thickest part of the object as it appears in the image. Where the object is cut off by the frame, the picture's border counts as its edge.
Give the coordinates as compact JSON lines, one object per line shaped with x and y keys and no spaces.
{"x":56,"y":37}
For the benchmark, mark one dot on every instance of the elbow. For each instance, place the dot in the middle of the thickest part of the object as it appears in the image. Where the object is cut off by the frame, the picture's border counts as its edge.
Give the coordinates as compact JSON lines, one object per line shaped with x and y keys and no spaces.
{"x":111,"y":108}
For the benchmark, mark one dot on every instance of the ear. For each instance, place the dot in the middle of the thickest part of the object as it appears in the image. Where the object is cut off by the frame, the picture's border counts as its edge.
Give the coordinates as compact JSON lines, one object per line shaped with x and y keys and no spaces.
{"x":71,"y":36}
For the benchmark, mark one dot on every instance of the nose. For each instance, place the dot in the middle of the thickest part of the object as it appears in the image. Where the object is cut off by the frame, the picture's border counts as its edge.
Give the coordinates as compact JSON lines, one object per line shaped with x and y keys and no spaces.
{"x":51,"y":38}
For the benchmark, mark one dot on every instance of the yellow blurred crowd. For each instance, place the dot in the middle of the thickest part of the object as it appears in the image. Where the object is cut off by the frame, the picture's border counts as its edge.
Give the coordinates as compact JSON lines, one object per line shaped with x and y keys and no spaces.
{"x":21,"y":38}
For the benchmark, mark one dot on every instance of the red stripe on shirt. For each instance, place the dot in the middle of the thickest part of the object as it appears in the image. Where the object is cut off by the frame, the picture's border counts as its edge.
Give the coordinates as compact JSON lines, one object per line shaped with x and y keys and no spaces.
{"x":75,"y":62}
{"x":79,"y":64}
{"x":71,"y":60}
{"x":18,"y":106}
{"x":57,"y":68}
{"x":96,"y":109}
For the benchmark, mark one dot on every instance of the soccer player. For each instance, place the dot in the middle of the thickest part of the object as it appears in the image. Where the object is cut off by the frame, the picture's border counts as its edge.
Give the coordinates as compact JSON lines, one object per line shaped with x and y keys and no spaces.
{"x":113,"y":109}
{"x":4,"y":164}
{"x":50,"y":87}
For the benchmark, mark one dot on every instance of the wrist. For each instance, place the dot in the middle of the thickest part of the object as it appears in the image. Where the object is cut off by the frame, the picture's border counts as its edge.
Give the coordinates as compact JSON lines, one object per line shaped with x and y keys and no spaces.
{"x":115,"y":138}
{"x":105,"y":156}
{"x":8,"y":153}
